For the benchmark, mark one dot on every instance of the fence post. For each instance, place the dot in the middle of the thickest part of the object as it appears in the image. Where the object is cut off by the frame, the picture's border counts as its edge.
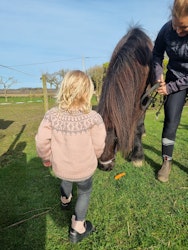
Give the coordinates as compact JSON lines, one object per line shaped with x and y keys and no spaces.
{"x":45,"y":93}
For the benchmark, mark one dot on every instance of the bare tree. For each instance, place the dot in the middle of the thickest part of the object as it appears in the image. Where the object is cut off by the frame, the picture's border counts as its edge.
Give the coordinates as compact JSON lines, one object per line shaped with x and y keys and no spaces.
{"x":97,"y":75}
{"x":55,"y":78}
{"x":6,"y":85}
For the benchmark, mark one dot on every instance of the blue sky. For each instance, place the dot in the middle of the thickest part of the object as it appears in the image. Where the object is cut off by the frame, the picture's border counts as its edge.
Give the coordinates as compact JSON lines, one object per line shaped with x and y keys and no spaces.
{"x":39,"y":36}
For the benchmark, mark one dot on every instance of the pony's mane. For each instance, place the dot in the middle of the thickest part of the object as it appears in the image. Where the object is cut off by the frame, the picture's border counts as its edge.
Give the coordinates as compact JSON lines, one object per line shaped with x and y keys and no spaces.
{"x":125,"y":82}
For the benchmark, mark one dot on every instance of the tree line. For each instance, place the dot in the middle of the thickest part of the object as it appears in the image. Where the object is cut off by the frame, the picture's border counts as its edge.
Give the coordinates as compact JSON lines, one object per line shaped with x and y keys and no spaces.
{"x":97,"y":74}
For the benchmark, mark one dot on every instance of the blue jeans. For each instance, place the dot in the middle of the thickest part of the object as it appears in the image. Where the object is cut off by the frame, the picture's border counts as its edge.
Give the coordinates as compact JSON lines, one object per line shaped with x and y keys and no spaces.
{"x":84,"y":189}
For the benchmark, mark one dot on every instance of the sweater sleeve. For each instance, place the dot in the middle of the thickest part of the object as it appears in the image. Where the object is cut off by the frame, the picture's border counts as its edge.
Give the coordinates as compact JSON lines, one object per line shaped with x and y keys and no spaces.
{"x":98,"y":134}
{"x":43,"y":140}
{"x":179,"y":84}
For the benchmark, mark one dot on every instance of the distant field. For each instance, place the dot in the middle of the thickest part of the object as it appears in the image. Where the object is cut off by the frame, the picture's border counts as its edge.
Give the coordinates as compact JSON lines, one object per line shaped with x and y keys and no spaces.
{"x":24,"y":93}
{"x":25,"y":99}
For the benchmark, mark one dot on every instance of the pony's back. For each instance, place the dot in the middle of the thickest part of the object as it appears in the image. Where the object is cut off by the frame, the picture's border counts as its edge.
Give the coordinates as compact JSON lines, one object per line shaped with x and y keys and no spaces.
{"x":125,"y":82}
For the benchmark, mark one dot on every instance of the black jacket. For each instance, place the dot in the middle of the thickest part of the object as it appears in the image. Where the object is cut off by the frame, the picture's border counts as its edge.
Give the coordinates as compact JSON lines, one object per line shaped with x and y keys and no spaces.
{"x":176,"y":49}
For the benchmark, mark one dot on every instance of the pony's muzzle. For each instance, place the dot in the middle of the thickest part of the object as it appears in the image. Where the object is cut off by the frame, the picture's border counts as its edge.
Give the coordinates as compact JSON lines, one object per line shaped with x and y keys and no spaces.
{"x":106,"y":165}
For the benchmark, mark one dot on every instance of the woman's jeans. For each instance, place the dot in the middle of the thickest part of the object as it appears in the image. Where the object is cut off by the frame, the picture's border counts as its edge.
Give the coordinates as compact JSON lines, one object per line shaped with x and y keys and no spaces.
{"x":173,"y":107}
{"x":84,"y":189}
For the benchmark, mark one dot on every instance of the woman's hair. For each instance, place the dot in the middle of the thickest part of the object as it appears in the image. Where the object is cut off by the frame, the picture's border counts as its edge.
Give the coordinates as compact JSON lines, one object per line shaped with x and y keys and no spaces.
{"x":75,"y":92}
{"x":180,"y":8}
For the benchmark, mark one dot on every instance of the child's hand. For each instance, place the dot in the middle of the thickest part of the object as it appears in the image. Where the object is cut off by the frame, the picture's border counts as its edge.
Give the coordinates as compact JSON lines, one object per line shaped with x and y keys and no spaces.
{"x":47,"y":163}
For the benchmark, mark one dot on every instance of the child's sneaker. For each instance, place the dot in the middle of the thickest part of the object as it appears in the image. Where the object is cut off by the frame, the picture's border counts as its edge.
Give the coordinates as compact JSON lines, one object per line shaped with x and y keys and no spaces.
{"x":65,"y":203}
{"x":75,"y":237}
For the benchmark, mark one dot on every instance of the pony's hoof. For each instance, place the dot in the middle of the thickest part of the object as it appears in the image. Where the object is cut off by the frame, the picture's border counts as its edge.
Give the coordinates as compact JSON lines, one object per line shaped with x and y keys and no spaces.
{"x":138,"y":164}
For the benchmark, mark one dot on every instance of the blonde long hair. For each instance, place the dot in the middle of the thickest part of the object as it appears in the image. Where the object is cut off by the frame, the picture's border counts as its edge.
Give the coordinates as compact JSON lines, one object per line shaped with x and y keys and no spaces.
{"x":180,"y":8}
{"x":75,"y":92}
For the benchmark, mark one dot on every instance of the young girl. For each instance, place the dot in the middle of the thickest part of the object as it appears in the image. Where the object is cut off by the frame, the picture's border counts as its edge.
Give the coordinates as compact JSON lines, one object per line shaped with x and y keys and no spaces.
{"x":172,"y":39}
{"x":70,"y":138}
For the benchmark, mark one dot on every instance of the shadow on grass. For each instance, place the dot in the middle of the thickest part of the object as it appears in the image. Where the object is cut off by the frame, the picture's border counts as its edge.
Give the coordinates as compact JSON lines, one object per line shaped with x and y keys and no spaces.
{"x":30,"y":198}
{"x":157,"y":165}
{"x":4,"y":124}
{"x":14,"y":150}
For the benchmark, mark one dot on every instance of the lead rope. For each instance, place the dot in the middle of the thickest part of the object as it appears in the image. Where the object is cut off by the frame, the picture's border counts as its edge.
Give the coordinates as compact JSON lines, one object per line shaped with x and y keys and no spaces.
{"x":163,"y":102}
{"x":146,"y":100}
{"x":151,"y":99}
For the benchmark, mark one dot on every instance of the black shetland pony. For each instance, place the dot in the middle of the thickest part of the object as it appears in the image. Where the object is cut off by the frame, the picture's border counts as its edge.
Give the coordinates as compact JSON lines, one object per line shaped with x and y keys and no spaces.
{"x":127,"y":78}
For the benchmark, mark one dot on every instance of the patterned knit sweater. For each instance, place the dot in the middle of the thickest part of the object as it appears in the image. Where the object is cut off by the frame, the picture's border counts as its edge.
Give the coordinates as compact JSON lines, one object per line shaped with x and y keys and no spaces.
{"x":72,"y":142}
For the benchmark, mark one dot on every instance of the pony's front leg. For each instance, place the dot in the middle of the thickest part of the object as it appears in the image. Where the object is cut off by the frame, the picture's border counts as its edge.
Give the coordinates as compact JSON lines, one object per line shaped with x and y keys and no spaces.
{"x":137,"y":154}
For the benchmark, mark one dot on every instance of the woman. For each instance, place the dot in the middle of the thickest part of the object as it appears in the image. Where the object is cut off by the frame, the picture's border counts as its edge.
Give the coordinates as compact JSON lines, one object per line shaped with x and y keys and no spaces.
{"x":172,"y":39}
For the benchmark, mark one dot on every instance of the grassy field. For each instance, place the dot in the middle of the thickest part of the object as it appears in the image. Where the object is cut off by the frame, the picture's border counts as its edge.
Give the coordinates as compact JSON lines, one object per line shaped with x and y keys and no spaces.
{"x":134,"y":212}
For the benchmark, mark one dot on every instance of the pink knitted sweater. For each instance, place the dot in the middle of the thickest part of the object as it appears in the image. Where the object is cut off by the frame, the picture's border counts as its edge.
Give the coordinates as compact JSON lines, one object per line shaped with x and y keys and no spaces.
{"x":72,"y":142}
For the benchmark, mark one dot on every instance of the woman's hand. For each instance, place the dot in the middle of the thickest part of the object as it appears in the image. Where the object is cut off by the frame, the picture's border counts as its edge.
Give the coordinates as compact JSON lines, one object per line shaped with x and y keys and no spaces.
{"x":162,"y":88}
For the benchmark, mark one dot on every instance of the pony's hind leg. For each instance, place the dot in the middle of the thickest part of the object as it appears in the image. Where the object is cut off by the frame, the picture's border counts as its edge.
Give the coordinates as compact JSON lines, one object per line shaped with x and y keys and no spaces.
{"x":137,"y":154}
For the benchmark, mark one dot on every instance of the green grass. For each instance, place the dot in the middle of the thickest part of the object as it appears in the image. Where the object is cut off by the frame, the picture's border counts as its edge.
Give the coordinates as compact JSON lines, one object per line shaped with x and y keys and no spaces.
{"x":25,"y":99}
{"x":134,"y":212}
